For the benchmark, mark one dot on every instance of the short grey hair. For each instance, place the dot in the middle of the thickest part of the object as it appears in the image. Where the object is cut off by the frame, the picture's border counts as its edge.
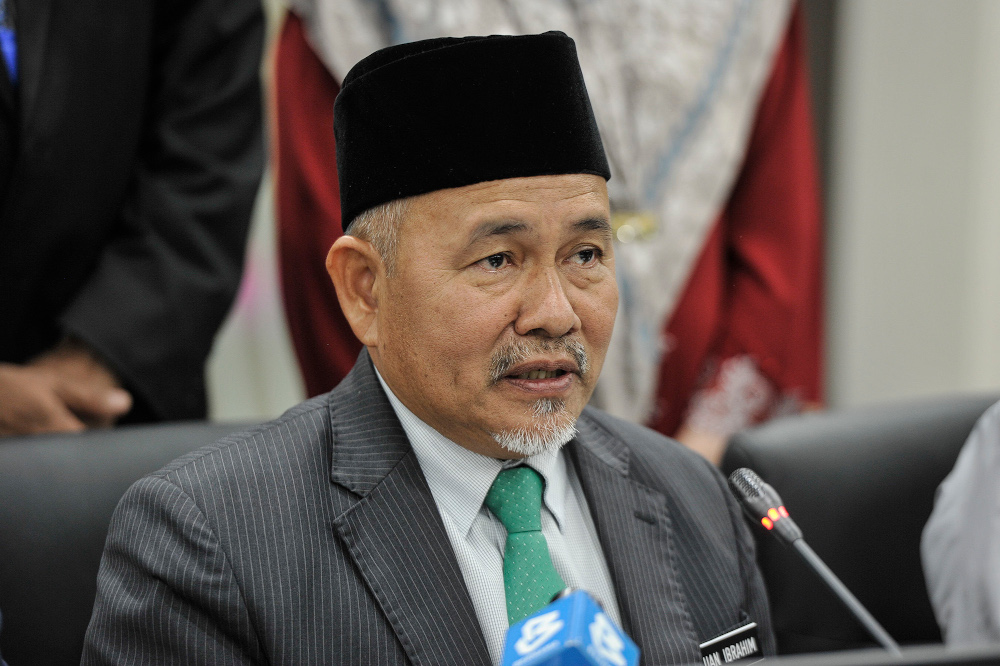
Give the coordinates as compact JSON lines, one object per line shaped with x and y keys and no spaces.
{"x":379,"y":226}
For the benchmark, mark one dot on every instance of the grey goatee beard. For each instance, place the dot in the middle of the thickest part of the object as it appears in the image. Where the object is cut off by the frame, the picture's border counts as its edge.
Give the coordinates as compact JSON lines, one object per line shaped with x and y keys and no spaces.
{"x":551,"y":428}
{"x":551,"y":424}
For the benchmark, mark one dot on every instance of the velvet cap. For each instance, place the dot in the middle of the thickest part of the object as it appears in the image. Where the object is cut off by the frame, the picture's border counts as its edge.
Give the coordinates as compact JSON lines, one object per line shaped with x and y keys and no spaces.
{"x":449,"y":112}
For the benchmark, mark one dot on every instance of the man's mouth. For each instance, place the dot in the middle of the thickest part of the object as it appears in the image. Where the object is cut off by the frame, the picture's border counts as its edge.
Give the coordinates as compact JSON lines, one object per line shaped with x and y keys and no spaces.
{"x":540,"y":374}
{"x":550,"y":378}
{"x":511,"y":361}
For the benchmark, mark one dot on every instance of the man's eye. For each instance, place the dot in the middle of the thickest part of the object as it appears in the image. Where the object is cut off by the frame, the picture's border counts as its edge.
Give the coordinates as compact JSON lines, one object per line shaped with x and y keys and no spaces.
{"x":586,"y":256}
{"x":495,"y":262}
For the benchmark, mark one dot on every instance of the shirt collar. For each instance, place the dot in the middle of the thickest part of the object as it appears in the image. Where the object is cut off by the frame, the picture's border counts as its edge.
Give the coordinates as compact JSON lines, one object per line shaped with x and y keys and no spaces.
{"x":459,"y":479}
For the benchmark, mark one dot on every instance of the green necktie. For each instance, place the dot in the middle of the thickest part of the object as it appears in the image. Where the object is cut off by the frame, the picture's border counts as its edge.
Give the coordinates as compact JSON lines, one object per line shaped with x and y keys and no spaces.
{"x":529,"y":579}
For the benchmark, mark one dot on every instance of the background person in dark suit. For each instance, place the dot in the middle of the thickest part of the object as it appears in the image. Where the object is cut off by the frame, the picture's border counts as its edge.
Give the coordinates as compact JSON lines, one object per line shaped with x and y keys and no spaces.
{"x":373,"y":524}
{"x":130,"y":154}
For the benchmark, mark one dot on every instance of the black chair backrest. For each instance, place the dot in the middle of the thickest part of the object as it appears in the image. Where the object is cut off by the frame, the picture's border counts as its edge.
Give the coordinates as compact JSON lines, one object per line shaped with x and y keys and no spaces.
{"x":57,"y":494}
{"x":860,"y":483}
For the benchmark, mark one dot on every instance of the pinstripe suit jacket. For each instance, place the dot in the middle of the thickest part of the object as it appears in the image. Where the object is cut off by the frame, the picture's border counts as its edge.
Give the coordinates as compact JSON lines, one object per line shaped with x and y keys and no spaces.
{"x":314,"y":539}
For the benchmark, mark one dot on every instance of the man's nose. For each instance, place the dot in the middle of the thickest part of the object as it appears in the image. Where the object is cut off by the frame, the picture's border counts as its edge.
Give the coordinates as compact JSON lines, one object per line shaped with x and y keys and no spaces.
{"x":546,"y":308}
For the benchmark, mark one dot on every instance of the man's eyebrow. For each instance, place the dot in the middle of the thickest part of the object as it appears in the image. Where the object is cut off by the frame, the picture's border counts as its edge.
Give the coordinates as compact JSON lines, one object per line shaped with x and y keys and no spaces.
{"x":507,"y":227}
{"x":496,"y":228}
{"x":600,"y":224}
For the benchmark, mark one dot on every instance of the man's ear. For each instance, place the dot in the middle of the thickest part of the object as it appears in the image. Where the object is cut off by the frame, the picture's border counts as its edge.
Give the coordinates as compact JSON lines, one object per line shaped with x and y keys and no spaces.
{"x":356,"y":270}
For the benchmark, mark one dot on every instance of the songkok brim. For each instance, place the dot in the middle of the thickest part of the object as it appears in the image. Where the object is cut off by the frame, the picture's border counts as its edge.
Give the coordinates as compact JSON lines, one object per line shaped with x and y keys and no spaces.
{"x":449,"y":112}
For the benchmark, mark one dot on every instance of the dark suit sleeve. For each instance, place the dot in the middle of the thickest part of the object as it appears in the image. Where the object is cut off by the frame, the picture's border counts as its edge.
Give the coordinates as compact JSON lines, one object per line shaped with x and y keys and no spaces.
{"x":166,"y":593}
{"x":168,"y":275}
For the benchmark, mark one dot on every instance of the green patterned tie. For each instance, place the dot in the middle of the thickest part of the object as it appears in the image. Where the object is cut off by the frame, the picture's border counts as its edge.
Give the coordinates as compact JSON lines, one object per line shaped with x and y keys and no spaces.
{"x":529,"y":579}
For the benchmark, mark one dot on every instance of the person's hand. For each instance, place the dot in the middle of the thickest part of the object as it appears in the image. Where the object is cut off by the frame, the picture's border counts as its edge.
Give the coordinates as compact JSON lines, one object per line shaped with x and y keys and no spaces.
{"x":710,"y":445}
{"x":67,"y":389}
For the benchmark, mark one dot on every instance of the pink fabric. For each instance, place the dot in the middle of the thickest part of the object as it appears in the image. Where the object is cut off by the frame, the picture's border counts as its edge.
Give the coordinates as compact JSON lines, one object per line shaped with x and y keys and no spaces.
{"x":757,"y":287}
{"x":308,"y":208}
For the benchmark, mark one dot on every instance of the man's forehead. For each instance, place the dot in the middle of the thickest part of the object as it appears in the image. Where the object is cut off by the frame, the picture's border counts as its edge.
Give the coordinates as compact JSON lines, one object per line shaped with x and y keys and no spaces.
{"x":572,"y":203}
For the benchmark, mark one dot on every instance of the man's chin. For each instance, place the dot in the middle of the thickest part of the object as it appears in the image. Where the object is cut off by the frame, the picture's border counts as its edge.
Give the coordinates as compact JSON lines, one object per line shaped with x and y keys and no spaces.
{"x":551,"y":427}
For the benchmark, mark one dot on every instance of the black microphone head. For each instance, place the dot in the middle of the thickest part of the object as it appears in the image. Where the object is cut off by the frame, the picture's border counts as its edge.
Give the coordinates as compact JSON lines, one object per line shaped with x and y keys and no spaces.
{"x":763,"y":504}
{"x":755,"y":495}
{"x":746,"y":483}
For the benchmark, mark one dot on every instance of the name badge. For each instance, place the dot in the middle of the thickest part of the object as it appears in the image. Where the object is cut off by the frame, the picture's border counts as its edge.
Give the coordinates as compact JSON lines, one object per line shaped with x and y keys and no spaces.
{"x":740,"y":644}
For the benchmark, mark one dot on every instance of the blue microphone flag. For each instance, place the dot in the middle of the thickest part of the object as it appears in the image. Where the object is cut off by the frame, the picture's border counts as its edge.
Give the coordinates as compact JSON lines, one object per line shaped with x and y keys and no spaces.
{"x":571,"y":631}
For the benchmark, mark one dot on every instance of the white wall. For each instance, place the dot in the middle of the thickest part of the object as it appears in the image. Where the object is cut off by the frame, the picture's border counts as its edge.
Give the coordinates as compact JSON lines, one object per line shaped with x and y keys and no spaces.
{"x":913,"y":245}
{"x":982,"y":360}
{"x":252,"y":372}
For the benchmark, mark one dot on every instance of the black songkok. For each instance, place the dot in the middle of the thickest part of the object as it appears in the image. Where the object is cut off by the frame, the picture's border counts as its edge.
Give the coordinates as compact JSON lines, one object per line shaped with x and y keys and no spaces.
{"x":450,"y":112}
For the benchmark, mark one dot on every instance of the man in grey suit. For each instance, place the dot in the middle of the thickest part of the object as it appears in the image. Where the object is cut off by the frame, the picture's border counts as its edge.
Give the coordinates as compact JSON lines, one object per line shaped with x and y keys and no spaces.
{"x":455,"y":478}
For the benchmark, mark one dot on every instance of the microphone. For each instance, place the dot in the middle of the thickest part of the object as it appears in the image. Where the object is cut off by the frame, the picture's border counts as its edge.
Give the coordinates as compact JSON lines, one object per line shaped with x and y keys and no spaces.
{"x":762,"y":504}
{"x":570,"y":631}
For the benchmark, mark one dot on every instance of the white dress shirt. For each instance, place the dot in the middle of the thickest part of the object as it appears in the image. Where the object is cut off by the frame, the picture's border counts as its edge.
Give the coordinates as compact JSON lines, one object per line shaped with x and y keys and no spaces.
{"x":459,"y":480}
{"x":961,"y":541}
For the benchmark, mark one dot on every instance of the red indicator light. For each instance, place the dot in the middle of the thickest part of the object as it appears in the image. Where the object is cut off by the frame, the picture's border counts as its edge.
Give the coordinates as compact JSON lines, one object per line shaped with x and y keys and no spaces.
{"x":766,"y":522}
{"x":773,"y":514}
{"x":783,"y":511}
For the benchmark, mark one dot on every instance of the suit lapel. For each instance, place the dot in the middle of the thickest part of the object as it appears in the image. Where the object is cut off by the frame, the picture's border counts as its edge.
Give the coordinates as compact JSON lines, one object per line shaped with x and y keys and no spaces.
{"x":33,"y":17}
{"x":634,"y":528}
{"x":393,"y":531}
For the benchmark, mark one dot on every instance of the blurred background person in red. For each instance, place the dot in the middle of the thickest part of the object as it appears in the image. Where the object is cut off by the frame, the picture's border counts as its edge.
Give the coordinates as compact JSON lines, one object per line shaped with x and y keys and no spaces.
{"x":704,"y":111}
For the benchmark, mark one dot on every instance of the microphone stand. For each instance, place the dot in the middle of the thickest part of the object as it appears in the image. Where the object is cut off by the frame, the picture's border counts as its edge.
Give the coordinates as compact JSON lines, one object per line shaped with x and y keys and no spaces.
{"x":846,"y":597}
{"x":761,"y":502}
